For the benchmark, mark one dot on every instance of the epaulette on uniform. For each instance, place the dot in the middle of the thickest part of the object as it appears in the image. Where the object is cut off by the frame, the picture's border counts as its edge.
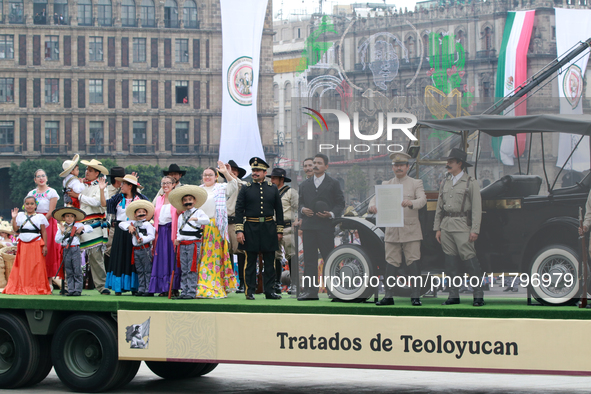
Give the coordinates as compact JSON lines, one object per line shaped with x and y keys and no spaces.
{"x":270,"y":183}
{"x":247,"y":184}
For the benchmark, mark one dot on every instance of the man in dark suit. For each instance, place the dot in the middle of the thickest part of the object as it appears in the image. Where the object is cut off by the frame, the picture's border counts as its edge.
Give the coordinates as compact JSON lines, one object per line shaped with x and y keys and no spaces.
{"x":320,"y":200}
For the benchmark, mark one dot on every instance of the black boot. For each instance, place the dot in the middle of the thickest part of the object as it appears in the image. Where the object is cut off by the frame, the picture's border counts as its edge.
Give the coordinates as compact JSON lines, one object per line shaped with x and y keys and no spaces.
{"x":388,"y":297}
{"x":473,"y":267}
{"x":241,"y":260}
{"x":452,"y":268}
{"x":415,"y":293}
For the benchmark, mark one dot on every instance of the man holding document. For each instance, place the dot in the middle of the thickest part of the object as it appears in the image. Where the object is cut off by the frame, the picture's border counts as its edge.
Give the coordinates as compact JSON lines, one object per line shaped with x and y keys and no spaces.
{"x":404,"y":214}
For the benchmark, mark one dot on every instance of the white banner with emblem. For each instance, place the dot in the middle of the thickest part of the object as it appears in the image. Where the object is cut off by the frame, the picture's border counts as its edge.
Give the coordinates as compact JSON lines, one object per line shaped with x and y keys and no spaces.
{"x":242,"y":29}
{"x":570,"y":82}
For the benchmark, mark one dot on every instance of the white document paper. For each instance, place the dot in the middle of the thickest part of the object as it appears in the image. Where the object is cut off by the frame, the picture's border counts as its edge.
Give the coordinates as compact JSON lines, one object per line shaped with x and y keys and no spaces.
{"x":388,"y":202}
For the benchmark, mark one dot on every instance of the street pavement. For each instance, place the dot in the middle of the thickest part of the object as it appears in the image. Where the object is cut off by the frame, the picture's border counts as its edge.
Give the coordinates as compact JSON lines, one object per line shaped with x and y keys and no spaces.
{"x":229,"y":378}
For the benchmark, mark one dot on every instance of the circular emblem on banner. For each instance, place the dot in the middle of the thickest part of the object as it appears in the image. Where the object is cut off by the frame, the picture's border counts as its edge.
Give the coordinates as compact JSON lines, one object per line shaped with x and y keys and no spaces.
{"x":240,"y":80}
{"x":572,"y":85}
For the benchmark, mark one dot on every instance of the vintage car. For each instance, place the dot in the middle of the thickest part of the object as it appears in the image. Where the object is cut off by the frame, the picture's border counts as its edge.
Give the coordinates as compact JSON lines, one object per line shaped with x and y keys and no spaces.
{"x":521,"y":232}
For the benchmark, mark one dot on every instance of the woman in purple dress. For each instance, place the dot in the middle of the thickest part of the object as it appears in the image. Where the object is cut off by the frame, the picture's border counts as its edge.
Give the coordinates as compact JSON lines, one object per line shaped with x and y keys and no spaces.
{"x":165,"y":223}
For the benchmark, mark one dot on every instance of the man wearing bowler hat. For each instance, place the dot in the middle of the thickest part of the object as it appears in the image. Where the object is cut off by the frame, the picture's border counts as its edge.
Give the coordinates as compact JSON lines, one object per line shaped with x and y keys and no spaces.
{"x":175,"y":172}
{"x":289,"y":201}
{"x":457,"y":224}
{"x":407,"y":239}
{"x":239,"y":173}
{"x":256,"y":230}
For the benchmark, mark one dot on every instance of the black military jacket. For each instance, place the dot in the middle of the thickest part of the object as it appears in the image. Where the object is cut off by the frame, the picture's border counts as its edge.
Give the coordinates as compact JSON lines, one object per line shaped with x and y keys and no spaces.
{"x":256,"y":205}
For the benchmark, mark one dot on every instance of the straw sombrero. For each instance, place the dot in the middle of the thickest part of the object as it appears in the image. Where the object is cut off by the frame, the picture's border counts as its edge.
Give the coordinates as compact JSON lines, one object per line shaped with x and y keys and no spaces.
{"x":130,"y":179}
{"x":97,"y":165}
{"x":58,"y":214}
{"x":6,"y":227}
{"x":175,"y":197}
{"x":69,"y":165}
{"x":139,"y":204}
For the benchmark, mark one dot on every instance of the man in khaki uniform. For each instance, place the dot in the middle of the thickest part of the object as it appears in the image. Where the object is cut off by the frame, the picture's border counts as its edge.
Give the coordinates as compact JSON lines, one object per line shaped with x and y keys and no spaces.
{"x":457,"y":224}
{"x":289,"y":200}
{"x":231,"y":207}
{"x":405,"y":239}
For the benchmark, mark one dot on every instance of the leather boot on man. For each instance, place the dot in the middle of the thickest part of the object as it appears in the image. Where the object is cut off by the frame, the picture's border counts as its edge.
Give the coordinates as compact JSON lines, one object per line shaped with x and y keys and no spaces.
{"x":452,"y":269}
{"x":389,"y":283}
{"x":473,"y":267}
{"x":414,"y":271}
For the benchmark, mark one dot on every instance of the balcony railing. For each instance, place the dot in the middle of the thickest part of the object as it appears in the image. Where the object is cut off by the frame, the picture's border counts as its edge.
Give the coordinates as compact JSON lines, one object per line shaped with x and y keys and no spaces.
{"x":99,"y":149}
{"x":16,"y":18}
{"x":129,"y":22}
{"x":148,"y":22}
{"x":488,"y":54}
{"x":272,"y":150}
{"x":141,"y":149}
{"x":54,"y":149}
{"x":207,"y":149}
{"x":11,"y":148}
{"x":104,"y":21}
{"x":191,"y":24}
{"x":184,"y":149}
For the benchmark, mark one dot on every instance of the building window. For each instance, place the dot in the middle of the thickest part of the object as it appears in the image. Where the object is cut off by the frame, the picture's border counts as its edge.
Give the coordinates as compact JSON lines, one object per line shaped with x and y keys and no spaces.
{"x":40,"y":12}
{"x":51,"y":137}
{"x":84,"y":13}
{"x":139,"y":92}
{"x":127,"y":13}
{"x":488,"y":39}
{"x":96,"y":135}
{"x":6,"y":136}
{"x":190,"y":15}
{"x":287,"y":94}
{"x":139,"y":50}
{"x":60,"y":12}
{"x":52,"y":48}
{"x":171,"y":14}
{"x":182,"y":51}
{"x":95,"y":49}
{"x":16,"y":11}
{"x":6,"y":90}
{"x":6,"y":46}
{"x":297,"y":33}
{"x":105,"y":13}
{"x":147,"y":13}
{"x":276,"y":93}
{"x":182,"y":137}
{"x":52,"y":90}
{"x":139,"y":137}
{"x":182,"y":92}
{"x":95,"y":91}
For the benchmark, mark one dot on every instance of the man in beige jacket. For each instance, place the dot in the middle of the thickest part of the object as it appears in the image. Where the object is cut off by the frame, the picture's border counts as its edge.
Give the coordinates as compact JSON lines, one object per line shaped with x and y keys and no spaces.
{"x":457,"y":225}
{"x":405,"y":239}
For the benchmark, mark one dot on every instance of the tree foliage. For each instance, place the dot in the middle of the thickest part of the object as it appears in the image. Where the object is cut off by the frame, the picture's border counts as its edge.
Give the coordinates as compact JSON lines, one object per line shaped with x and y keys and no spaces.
{"x":356,"y":184}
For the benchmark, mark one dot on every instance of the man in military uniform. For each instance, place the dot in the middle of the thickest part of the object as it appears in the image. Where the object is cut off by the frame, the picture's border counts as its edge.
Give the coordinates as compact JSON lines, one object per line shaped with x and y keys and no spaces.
{"x":289,"y":201}
{"x":256,"y":230}
{"x":457,"y":224}
{"x":239,"y":173}
{"x":405,"y":239}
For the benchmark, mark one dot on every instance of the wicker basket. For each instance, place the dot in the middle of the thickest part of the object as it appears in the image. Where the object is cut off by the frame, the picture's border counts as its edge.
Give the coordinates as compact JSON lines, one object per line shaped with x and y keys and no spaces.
{"x":3,"y":279}
{"x":8,"y":260}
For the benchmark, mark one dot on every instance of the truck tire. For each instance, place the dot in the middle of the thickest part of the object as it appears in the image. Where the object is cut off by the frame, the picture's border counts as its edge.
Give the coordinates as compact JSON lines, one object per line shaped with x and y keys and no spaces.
{"x":84,"y":353}
{"x":19,"y":352}
{"x":350,"y":262}
{"x":45,"y":364}
{"x":560,"y":264}
{"x":175,"y":370}
{"x":208,"y":368}
{"x":128,"y":370}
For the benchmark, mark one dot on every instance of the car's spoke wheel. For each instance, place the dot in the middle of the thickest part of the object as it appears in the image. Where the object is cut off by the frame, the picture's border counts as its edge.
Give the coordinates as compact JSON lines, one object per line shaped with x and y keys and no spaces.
{"x":352,"y":271}
{"x":553,"y":276}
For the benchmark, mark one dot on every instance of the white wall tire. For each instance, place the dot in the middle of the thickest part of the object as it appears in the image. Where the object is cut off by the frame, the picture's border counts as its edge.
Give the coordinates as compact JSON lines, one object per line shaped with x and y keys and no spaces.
{"x":558,"y":261}
{"x":353,"y":264}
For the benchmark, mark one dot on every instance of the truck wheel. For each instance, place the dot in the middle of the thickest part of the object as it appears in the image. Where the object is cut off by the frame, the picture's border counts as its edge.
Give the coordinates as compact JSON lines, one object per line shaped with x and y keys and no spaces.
{"x":350,"y":264}
{"x":175,"y":370}
{"x":84,"y":353}
{"x":556,"y":267}
{"x":44,"y":366}
{"x":128,"y":370}
{"x":208,"y":368}
{"x":19,"y":352}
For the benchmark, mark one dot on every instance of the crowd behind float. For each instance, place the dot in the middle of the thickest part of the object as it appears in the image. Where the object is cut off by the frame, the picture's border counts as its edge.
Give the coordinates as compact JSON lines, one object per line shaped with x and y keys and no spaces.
{"x":183,"y":241}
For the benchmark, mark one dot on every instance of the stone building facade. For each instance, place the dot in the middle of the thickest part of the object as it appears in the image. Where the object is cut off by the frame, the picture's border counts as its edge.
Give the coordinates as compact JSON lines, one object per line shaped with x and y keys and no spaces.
{"x":135,"y":80}
{"x":477,"y":27}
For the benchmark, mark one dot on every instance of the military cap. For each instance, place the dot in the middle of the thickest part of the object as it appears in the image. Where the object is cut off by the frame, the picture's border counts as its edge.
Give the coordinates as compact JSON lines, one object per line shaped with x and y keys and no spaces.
{"x":256,"y":163}
{"x":399,"y":158}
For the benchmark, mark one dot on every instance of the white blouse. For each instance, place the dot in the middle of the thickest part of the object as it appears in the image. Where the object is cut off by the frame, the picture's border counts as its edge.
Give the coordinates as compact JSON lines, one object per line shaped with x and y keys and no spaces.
{"x":209,"y":206}
{"x":165,"y":215}
{"x":38,"y":220}
{"x":121,"y":216}
{"x":43,"y":199}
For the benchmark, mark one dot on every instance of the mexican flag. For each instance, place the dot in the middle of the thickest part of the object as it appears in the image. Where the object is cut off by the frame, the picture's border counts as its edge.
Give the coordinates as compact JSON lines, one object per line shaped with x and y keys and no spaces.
{"x":512,"y":72}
